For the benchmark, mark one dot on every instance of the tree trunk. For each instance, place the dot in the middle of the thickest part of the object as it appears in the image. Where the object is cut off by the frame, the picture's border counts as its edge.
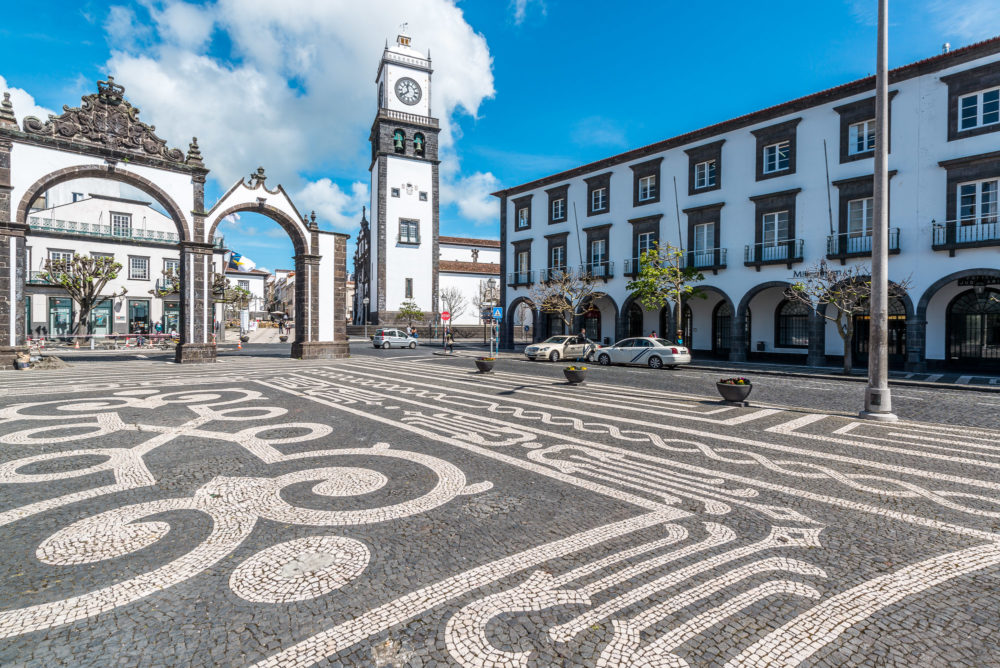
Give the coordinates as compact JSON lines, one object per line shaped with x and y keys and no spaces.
{"x":848,"y":340}
{"x":679,"y":325}
{"x":84,"y":318}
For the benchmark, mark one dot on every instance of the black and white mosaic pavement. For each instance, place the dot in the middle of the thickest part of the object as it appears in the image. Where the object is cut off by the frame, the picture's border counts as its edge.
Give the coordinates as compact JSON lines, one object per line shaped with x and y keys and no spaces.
{"x":404,"y":511}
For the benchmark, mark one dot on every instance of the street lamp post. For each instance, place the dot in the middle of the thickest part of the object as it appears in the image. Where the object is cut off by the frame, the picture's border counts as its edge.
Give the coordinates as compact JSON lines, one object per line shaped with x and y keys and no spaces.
{"x":878,"y":400}
{"x":365,"y":301}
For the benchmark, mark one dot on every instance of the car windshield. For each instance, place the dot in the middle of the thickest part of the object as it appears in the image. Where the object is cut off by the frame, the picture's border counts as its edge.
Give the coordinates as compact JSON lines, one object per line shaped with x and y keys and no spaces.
{"x":556,"y":339}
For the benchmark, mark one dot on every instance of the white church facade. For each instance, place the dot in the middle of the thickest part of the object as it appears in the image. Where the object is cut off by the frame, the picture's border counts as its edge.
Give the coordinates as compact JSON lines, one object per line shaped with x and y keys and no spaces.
{"x":400,"y":256}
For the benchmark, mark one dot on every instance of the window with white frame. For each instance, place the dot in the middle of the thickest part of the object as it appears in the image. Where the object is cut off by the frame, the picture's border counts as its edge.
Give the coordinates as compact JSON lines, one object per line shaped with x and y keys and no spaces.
{"x":121,"y":224}
{"x":523,"y":260}
{"x":408,"y":288}
{"x":243,"y":284}
{"x":409,"y":232}
{"x":861,"y":137}
{"x":172,"y":267}
{"x":704,"y":174}
{"x":138,"y":268}
{"x":598,"y":251}
{"x":77,"y":197}
{"x":977,"y":202}
{"x":644,"y":243}
{"x":979,"y":109}
{"x":704,"y":237}
{"x":599,"y":199}
{"x":522,"y":218}
{"x":774,"y":228}
{"x":647,"y":188}
{"x":58,"y":255}
{"x":558,"y":209}
{"x":557,"y":258}
{"x":859,"y":217}
{"x":776,"y":157}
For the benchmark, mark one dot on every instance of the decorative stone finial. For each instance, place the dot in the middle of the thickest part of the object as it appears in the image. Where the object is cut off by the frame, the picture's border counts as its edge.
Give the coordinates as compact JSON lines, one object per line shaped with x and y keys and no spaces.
{"x":109,"y":91}
{"x":312,"y":218}
{"x":257,"y":178}
{"x":194,"y":154}
{"x":7,"y":117}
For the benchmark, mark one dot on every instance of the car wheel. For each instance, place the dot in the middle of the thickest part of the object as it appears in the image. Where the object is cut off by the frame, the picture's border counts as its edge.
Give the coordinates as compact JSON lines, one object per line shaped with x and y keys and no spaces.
{"x":385,"y":346}
{"x":655,"y":362}
{"x":554,"y":356}
{"x":413,"y":345}
{"x":604,"y":359}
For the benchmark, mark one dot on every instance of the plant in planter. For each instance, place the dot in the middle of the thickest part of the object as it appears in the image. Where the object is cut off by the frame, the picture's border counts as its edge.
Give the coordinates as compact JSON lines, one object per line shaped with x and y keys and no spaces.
{"x":283,"y":337}
{"x":734,"y":390}
{"x":485,"y":364}
{"x":575,"y":374}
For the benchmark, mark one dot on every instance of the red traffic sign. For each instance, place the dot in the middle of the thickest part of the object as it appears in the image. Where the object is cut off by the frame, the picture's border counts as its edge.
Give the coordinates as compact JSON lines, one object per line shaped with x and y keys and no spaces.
{"x":445,"y":316}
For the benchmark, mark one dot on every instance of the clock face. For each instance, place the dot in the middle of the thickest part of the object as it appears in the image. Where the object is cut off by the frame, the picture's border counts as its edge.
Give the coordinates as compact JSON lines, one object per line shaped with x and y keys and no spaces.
{"x":408,"y":91}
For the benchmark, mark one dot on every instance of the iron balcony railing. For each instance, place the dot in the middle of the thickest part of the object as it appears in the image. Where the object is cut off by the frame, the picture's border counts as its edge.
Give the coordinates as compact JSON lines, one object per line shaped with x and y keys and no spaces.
{"x":852,"y":243}
{"x":554,"y":273}
{"x":41,"y":224}
{"x":604,"y":269}
{"x":707,"y":258}
{"x":36,"y":277}
{"x":982,"y":232}
{"x":515,"y":278}
{"x":786,"y":250}
{"x":405,"y":117}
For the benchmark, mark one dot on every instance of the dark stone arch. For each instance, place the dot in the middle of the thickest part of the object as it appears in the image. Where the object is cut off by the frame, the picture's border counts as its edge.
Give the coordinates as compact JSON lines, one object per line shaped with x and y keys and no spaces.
{"x":104,"y":172}
{"x":508,"y":321}
{"x":293,"y":228}
{"x":916,"y":328}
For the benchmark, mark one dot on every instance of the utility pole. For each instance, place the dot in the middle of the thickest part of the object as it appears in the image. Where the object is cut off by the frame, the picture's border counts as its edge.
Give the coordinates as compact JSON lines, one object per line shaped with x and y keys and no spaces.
{"x":878,"y":400}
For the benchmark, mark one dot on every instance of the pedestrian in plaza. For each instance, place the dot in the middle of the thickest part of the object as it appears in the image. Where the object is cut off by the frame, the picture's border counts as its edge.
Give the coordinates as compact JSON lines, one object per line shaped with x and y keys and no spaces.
{"x":449,"y":340}
{"x":652,"y":334}
{"x":281,"y":327}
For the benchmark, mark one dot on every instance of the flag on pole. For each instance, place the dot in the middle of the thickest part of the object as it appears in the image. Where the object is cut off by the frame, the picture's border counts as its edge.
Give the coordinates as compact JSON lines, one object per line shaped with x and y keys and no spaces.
{"x":241,"y":263}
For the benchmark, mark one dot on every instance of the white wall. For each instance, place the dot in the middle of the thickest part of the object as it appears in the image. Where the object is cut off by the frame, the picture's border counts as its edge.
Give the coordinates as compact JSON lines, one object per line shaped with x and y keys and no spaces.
{"x":463,"y":253}
{"x":407,"y":260}
{"x":469,"y":285}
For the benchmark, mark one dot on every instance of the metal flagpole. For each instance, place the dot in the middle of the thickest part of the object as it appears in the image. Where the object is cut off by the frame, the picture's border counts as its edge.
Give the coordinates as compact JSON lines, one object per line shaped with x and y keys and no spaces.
{"x":878,"y":401}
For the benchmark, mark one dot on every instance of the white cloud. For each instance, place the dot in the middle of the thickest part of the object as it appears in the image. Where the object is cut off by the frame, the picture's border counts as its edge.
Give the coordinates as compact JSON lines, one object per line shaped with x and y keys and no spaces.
{"x":24,"y":103}
{"x":296,"y":93}
{"x":967,"y":20}
{"x":520,"y":8}
{"x":471,"y":194}
{"x":331,"y":204}
{"x":124,"y":29}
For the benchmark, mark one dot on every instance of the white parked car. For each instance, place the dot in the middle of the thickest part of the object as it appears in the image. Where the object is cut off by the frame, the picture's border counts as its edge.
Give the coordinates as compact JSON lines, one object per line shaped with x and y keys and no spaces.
{"x":393,"y":338}
{"x":566,"y":347}
{"x":654,"y":353}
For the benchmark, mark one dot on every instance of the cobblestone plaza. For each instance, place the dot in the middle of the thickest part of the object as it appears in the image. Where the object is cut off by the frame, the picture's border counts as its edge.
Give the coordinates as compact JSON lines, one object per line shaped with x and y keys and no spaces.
{"x":401,"y":510}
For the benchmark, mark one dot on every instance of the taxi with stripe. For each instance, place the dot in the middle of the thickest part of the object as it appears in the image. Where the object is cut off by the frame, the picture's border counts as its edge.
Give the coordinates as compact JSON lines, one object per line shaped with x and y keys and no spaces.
{"x":645,"y":351}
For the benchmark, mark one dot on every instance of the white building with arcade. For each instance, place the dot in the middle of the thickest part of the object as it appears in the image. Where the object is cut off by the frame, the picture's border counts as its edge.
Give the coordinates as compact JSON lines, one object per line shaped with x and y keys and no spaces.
{"x":755,"y":209}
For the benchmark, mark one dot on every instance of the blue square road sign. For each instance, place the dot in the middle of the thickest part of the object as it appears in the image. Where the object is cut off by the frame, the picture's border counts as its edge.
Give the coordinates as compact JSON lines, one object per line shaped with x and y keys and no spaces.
{"x":498,"y":312}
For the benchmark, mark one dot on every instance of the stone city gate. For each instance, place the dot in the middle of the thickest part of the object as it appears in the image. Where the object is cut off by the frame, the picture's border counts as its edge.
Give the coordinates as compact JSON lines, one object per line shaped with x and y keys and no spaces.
{"x":104,"y":139}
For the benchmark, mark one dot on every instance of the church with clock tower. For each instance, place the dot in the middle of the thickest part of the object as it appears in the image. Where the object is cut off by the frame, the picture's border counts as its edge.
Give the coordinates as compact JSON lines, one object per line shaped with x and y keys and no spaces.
{"x":400,"y":256}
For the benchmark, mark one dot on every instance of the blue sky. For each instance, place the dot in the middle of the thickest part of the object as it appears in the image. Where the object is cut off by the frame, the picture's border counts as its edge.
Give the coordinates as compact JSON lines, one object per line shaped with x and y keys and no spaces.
{"x":524,"y":88}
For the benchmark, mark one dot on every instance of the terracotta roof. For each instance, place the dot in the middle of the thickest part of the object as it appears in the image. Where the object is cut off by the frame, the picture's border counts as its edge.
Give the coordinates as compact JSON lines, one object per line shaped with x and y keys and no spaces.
{"x":463,"y":241}
{"x":252,"y":271}
{"x":918,"y":68}
{"x":485,"y":268}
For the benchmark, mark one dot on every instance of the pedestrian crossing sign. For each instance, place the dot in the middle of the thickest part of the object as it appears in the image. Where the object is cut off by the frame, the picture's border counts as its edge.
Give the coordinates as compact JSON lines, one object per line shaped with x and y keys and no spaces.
{"x":498,"y":312}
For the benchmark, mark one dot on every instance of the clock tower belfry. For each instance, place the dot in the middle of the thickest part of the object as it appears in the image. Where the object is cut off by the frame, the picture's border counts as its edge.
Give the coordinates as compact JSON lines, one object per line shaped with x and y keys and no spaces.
{"x":404,"y":186}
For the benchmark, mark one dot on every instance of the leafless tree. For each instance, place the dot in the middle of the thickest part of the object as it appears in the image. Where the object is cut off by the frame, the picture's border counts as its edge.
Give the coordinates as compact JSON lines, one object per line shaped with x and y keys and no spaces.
{"x":453,"y":301}
{"x":568,"y":294}
{"x":846,"y":291}
{"x":487,"y":295}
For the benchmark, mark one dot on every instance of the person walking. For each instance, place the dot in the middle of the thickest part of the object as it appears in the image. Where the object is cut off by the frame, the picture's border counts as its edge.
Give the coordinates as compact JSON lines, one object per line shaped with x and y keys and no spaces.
{"x":449,"y":341}
{"x":652,"y":334}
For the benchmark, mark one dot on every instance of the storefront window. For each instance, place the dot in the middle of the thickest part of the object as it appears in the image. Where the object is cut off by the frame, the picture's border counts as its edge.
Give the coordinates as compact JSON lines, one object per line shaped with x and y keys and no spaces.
{"x":138,"y":315}
{"x":60,"y":316}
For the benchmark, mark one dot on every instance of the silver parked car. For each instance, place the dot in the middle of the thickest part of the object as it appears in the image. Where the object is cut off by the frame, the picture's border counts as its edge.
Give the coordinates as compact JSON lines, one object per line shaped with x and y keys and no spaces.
{"x":566,"y":347}
{"x":393,"y":338}
{"x":654,"y":353}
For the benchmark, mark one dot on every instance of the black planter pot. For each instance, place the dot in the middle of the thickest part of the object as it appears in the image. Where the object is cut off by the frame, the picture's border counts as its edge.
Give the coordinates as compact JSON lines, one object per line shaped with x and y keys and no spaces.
{"x":485,"y":366}
{"x":283,"y":338}
{"x":244,"y":338}
{"x":574,"y":376}
{"x":734,"y":393}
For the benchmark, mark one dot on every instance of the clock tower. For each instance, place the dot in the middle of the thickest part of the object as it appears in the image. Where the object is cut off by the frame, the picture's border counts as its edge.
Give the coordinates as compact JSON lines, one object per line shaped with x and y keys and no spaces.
{"x":404,"y":186}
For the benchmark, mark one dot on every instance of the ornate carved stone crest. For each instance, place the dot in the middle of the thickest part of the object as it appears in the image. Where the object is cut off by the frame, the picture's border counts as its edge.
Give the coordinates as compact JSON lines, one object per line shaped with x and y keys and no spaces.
{"x":105,"y":118}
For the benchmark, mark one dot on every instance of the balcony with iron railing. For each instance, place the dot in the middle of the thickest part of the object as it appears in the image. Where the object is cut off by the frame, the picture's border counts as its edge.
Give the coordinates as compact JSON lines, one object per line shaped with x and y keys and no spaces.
{"x":516,"y":278}
{"x":707,"y":258}
{"x":851,"y":244}
{"x":554,"y":273}
{"x":786,"y":251}
{"x":603,"y":269}
{"x":406,"y":117}
{"x":36,"y":278}
{"x":97,"y":230}
{"x":970,"y":233}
